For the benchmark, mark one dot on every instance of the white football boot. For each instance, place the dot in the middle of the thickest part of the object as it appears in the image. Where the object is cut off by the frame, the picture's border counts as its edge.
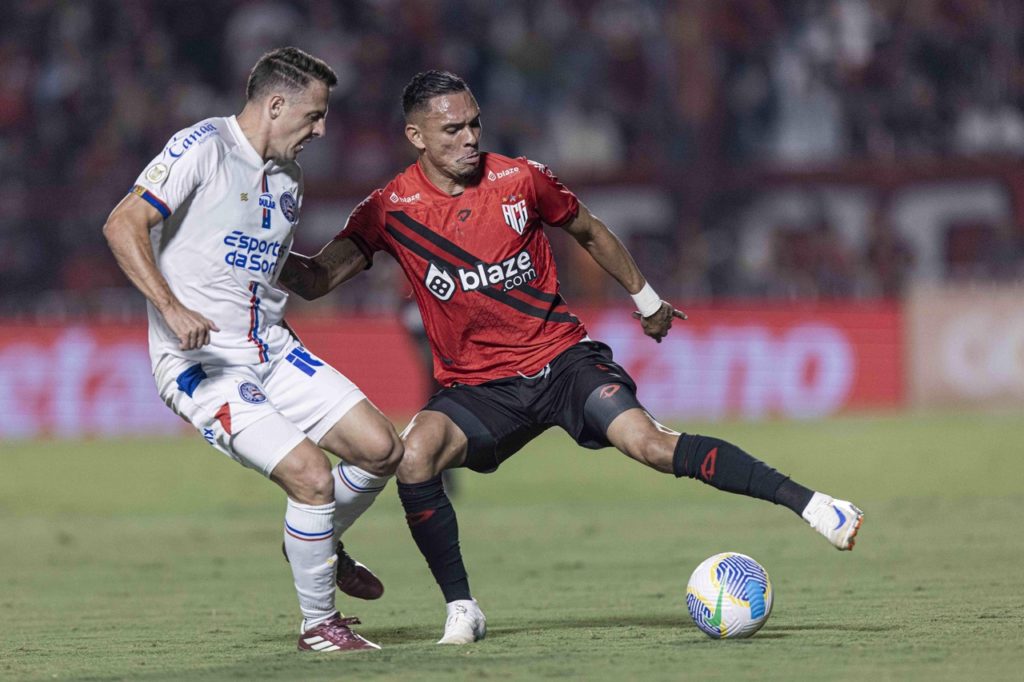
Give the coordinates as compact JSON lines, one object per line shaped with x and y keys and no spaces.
{"x":837,"y":520}
{"x":465,"y":624}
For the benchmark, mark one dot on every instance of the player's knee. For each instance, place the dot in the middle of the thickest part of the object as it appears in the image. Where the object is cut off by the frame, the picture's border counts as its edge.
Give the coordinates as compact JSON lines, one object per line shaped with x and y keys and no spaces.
{"x":383,"y":451}
{"x":420,"y":461}
{"x":311,"y":485}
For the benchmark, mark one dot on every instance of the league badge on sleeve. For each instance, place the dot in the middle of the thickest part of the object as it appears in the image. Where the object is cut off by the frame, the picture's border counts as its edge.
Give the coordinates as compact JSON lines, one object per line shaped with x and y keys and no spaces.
{"x":156,"y":173}
{"x":513,"y":207}
{"x":289,"y":207}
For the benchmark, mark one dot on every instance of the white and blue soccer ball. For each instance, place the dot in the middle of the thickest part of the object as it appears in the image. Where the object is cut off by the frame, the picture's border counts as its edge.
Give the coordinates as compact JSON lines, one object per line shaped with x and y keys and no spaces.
{"x":729,"y":596}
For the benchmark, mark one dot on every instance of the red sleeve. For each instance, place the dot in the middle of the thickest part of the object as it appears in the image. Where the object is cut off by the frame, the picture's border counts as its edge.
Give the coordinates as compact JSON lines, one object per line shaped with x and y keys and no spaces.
{"x":556,"y":204}
{"x":365,"y":226}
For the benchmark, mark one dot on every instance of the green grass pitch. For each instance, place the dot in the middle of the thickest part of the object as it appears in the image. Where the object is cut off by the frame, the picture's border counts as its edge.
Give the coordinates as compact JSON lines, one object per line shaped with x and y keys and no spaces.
{"x":159,"y":560}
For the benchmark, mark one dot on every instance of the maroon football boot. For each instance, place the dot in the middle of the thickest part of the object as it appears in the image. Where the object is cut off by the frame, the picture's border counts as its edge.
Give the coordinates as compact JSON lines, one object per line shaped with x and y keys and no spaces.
{"x":334,"y":634}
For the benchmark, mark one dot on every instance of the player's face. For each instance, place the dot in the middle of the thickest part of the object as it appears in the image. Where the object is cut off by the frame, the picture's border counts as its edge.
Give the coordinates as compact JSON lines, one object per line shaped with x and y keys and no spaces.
{"x":448,"y":134}
{"x":299,"y":118}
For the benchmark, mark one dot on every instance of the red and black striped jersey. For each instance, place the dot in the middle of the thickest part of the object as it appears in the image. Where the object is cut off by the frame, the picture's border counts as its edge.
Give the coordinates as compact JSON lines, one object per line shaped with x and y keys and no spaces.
{"x":479,"y":263}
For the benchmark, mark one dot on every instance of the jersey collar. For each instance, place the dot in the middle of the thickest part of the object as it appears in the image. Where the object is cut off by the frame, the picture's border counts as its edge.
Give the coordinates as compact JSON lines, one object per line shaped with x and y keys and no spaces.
{"x":247,"y":149}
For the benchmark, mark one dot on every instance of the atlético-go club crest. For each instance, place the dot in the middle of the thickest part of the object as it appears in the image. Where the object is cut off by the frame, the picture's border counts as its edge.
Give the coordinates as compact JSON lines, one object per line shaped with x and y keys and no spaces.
{"x":513,"y":208}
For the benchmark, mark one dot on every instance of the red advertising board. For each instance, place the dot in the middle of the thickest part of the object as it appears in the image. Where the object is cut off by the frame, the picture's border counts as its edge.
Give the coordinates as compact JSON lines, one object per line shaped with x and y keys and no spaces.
{"x":763,"y":360}
{"x":95,"y":380}
{"x":749,"y":362}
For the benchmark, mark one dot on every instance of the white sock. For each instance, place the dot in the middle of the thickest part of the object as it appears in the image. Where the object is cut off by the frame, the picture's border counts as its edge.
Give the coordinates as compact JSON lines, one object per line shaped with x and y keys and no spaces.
{"x":354,"y":492}
{"x":309,"y":543}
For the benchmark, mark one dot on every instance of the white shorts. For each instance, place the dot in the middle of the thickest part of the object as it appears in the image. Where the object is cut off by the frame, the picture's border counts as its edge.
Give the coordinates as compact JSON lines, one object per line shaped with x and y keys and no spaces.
{"x":222,"y":401}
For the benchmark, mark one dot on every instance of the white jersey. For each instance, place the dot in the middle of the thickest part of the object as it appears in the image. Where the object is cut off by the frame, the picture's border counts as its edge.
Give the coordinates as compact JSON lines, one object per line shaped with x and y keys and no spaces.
{"x":229,"y":217}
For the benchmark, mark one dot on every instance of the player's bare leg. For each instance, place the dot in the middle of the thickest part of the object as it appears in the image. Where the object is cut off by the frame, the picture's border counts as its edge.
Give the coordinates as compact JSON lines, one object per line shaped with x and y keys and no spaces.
{"x":727,"y":467}
{"x":433,"y":443}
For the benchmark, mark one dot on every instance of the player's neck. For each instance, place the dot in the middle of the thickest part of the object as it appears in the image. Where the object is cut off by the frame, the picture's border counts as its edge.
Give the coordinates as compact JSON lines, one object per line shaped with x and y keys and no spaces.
{"x":447,"y":184}
{"x":251,"y":124}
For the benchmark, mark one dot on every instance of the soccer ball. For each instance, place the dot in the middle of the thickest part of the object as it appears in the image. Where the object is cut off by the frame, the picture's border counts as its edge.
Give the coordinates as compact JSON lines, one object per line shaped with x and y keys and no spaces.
{"x":729,"y":595}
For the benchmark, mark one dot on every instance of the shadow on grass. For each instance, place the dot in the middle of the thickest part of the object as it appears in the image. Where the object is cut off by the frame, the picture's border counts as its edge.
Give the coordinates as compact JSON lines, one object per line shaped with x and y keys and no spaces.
{"x":839,"y":627}
{"x":419,"y":634}
{"x":400,"y":642}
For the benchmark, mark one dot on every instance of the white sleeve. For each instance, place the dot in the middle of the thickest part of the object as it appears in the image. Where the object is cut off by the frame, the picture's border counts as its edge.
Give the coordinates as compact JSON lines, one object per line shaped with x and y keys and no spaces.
{"x":190,"y":159}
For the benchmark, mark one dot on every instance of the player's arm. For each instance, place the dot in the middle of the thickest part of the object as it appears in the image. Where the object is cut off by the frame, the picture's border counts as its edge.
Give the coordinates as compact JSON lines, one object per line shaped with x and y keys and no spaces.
{"x":605,"y":248}
{"x":127,"y":233}
{"x":313,"y":276}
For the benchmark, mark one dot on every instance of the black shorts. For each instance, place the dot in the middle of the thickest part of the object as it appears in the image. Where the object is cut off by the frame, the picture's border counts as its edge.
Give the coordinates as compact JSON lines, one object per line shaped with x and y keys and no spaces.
{"x":582,"y":390}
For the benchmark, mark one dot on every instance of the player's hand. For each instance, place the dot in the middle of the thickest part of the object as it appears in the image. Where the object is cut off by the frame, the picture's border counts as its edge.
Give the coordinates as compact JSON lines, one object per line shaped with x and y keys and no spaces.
{"x":191,"y":328}
{"x":657,"y":325}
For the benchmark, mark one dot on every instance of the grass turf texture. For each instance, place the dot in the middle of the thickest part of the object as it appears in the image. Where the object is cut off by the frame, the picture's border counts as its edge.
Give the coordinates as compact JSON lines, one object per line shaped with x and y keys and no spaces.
{"x":160,"y":559}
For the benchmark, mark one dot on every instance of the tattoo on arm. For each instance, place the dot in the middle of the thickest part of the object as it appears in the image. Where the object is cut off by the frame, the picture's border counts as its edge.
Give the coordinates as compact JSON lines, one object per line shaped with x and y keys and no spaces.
{"x":333,"y":260}
{"x":313,"y":277}
{"x":338,"y":262}
{"x":299,"y":276}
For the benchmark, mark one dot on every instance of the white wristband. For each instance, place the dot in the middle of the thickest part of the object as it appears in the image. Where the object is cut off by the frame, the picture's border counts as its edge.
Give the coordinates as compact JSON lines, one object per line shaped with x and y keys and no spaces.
{"x":647,"y":301}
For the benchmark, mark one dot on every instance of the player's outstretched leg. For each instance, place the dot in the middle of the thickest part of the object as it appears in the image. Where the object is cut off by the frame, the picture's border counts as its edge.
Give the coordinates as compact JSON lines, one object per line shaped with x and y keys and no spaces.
{"x":727,"y":467}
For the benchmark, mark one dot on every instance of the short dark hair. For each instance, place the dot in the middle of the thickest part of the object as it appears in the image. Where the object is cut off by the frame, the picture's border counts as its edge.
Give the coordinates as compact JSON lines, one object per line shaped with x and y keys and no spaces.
{"x":429,"y":84}
{"x":287,"y":67}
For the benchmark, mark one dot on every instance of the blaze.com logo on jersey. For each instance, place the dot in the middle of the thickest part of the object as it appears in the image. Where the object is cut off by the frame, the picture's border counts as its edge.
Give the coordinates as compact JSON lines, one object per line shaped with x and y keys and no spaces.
{"x":508,"y":274}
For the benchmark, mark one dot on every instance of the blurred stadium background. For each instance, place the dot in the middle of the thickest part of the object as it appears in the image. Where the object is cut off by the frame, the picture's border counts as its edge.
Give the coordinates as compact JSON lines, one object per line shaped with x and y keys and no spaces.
{"x":832,"y":190}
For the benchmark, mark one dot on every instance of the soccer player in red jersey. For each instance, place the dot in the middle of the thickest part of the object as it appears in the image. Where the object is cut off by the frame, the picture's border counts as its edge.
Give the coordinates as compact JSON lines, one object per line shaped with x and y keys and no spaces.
{"x":467,"y":228}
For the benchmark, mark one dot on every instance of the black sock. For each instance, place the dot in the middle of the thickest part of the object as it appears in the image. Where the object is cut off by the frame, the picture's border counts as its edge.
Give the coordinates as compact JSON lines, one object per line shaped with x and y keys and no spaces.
{"x":433,"y":525}
{"x":793,"y":495}
{"x":727,"y":467}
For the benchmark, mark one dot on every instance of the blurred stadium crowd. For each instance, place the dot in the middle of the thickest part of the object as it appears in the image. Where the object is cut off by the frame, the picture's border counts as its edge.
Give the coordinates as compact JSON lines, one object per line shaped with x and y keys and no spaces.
{"x":699,"y":105}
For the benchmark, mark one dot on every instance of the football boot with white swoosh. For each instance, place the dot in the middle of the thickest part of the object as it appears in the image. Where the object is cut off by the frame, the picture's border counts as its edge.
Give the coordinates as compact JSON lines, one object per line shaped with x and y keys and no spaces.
{"x":837,"y":520}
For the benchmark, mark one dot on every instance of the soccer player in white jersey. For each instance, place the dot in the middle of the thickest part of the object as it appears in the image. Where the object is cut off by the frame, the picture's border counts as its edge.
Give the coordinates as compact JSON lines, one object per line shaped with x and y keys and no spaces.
{"x":203,"y":234}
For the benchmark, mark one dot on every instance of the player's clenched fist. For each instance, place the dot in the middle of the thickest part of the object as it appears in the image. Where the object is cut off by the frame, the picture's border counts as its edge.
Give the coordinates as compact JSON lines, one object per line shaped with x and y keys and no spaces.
{"x":191,"y":328}
{"x":657,"y":325}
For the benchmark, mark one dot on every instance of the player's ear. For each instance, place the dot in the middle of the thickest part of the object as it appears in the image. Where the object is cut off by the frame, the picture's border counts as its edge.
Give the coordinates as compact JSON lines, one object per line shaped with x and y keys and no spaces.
{"x":415,"y":136}
{"x":275,"y":105}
